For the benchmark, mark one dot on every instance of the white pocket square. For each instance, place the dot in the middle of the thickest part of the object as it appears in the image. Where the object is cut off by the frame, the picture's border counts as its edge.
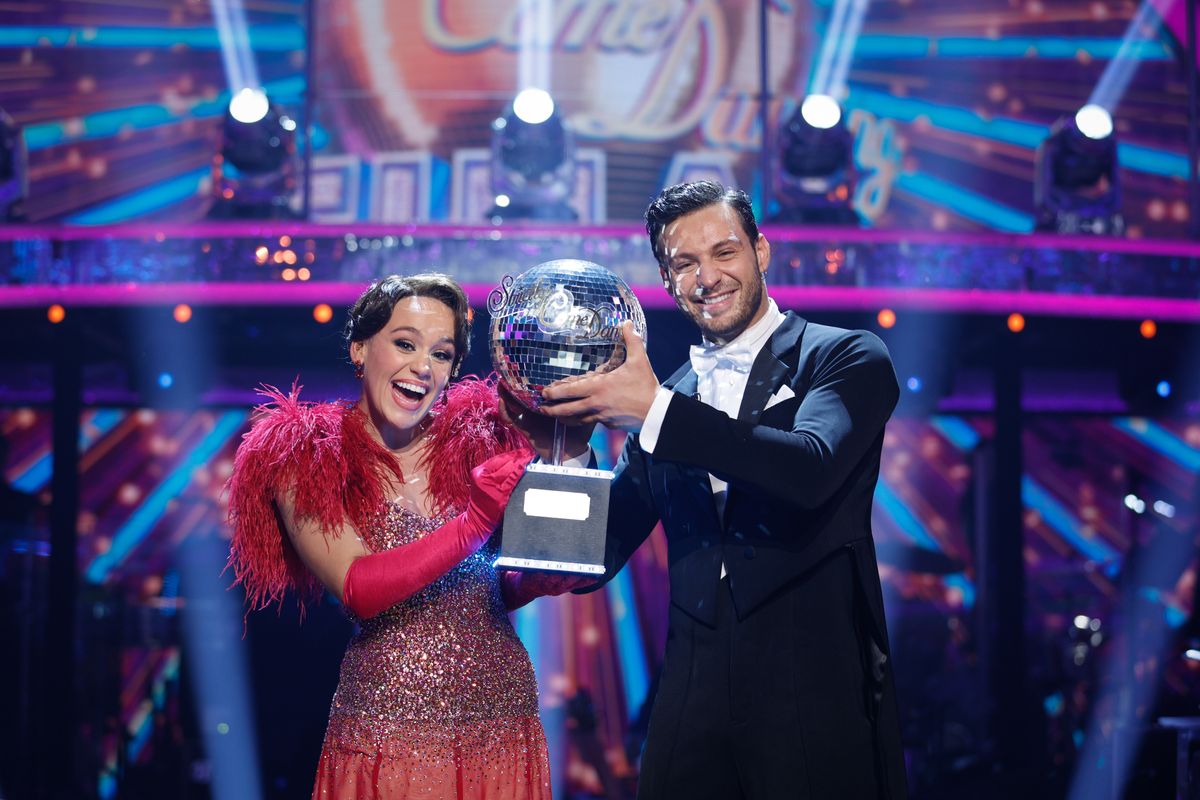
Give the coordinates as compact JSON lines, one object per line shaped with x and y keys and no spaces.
{"x":785,"y":393}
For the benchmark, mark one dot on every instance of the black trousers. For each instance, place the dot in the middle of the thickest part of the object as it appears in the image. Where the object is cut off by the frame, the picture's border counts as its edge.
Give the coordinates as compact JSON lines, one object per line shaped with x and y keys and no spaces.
{"x":769,"y":706}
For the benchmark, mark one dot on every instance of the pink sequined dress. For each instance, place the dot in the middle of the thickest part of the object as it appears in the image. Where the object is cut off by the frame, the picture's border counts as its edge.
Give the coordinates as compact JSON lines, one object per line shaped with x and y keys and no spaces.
{"x":437,"y":697}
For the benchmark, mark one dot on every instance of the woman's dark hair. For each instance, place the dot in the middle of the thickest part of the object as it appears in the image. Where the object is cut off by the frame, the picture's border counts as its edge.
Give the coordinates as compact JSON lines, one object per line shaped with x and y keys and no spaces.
{"x":684,"y":198}
{"x":372,"y":310}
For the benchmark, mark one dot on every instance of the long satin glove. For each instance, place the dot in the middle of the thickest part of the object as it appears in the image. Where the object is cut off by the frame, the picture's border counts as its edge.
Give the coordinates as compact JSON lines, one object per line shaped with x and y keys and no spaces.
{"x":381,"y":580}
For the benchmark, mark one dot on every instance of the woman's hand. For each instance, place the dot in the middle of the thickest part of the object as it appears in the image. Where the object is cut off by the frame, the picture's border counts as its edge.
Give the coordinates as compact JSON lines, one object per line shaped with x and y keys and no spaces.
{"x":538,"y":429}
{"x":521,"y":587}
{"x":492,"y":483}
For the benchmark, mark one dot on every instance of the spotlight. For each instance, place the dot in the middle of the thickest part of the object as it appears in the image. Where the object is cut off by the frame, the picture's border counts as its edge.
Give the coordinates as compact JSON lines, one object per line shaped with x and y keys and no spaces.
{"x":254,"y":175}
{"x":1076,"y":182}
{"x":914,"y":384}
{"x":249,"y":106}
{"x":533,"y":161}
{"x":1163,"y":389}
{"x":56,"y":314}
{"x":533,"y":106}
{"x":166,"y":380}
{"x":1135,"y":504}
{"x":1094,"y":121}
{"x":1164,"y":509}
{"x":14,"y":166}
{"x":814,"y":169}
{"x":821,"y":111}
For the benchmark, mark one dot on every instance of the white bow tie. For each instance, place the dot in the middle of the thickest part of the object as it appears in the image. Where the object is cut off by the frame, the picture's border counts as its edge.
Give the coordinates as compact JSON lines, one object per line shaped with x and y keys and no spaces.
{"x":705,"y":358}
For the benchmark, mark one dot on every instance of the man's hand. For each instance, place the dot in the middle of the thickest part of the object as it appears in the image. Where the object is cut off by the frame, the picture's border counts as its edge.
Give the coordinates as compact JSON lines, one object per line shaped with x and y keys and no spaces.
{"x":538,"y":429}
{"x":620,"y":398}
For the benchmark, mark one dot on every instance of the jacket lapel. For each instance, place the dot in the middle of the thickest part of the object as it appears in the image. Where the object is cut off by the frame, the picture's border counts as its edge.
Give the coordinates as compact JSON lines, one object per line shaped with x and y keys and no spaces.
{"x":684,"y":382}
{"x":775,"y":362}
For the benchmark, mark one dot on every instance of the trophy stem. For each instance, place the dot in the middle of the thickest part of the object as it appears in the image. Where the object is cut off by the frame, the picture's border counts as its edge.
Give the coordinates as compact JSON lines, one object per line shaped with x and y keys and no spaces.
{"x":560,"y":439}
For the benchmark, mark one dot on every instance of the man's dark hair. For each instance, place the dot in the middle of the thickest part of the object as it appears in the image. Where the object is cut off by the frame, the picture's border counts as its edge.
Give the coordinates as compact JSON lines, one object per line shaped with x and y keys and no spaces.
{"x":684,"y":198}
{"x":374,"y":307}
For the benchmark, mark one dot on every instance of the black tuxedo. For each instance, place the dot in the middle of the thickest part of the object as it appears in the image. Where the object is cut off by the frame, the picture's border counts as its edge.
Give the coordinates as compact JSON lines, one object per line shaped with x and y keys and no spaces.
{"x":775,"y":681}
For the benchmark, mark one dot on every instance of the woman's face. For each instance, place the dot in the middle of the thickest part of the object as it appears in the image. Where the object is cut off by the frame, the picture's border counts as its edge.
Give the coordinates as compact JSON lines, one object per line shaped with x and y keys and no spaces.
{"x":405,"y":366}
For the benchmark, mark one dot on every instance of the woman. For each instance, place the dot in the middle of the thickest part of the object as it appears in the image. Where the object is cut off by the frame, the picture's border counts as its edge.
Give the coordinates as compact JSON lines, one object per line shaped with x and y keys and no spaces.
{"x":389,"y":504}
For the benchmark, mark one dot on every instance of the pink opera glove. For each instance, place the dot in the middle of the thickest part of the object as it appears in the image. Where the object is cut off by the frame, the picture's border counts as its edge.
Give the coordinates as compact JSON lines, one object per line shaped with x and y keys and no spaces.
{"x":379,"y":581}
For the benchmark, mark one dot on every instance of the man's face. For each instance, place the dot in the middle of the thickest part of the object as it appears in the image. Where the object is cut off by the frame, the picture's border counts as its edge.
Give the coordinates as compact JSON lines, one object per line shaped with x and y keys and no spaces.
{"x":714,"y":272}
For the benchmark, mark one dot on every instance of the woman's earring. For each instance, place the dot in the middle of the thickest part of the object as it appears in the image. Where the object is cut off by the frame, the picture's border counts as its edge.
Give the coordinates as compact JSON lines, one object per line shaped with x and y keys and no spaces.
{"x":358,"y":370}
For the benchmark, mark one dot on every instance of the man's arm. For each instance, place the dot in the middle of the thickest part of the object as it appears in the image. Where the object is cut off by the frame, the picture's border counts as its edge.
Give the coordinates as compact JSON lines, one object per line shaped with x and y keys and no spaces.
{"x":851,"y":396}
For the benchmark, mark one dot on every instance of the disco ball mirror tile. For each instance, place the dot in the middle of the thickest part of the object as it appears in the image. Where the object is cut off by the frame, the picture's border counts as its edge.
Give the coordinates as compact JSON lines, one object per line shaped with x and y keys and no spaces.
{"x":556,"y":320}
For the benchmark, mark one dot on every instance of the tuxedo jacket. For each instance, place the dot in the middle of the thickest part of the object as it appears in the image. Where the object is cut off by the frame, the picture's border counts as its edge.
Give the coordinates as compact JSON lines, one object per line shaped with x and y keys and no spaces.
{"x":801,"y":460}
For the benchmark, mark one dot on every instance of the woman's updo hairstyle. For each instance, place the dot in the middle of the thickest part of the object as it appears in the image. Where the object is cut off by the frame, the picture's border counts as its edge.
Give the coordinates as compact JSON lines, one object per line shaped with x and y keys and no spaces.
{"x":372,"y":310}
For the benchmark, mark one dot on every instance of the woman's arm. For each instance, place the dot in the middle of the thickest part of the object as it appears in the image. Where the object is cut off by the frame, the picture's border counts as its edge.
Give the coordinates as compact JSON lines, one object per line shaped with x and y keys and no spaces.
{"x":368,"y":583}
{"x":326,"y":556}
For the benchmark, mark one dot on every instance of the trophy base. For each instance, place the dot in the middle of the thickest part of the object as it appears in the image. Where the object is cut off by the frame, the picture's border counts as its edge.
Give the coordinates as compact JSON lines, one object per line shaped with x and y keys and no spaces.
{"x":556,"y":521}
{"x":536,"y":565}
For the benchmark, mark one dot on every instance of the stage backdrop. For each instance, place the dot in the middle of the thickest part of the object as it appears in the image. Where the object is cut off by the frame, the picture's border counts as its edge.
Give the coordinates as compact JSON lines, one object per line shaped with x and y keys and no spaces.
{"x":120,"y":101}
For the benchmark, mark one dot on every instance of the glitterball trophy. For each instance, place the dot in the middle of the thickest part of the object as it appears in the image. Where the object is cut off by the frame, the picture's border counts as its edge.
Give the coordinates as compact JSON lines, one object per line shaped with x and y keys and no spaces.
{"x":556,"y":320}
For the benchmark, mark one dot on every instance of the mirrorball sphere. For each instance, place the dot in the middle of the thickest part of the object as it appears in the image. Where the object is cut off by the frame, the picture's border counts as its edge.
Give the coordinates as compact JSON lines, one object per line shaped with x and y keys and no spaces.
{"x":556,"y":320}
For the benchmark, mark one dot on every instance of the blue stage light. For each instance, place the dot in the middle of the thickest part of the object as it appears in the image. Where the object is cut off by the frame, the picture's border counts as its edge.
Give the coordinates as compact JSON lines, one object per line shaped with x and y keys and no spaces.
{"x":165,"y":379}
{"x":914,"y":384}
{"x":1163,"y":389}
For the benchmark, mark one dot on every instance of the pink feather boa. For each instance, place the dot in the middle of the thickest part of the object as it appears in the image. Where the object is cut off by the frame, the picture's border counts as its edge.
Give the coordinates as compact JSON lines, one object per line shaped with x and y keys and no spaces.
{"x":339,"y":473}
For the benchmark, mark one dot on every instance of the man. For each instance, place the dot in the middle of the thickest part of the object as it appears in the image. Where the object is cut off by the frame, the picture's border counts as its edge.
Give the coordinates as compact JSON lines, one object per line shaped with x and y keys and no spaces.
{"x":760,"y":458}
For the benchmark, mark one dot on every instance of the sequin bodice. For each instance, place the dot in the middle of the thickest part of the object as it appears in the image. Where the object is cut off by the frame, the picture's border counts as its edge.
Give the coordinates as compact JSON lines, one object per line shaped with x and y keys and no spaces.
{"x":447,"y":655}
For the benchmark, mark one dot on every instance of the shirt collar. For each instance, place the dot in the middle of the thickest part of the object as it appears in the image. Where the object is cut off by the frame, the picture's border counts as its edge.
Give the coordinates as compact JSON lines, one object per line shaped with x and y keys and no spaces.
{"x":753,"y":338}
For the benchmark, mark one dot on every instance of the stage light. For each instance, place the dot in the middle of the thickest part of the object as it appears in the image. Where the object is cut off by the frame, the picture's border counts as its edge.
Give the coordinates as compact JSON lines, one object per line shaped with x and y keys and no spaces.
{"x":1148,"y":329}
{"x":814,"y":166}
{"x":249,"y":106}
{"x":533,"y":162}
{"x":1192,"y":654}
{"x":533,"y":106}
{"x":166,"y":380}
{"x":288,"y":274}
{"x":1135,"y":504}
{"x":1094,"y":121}
{"x":914,"y":384}
{"x":1163,"y":389}
{"x":886,"y":318}
{"x":56,"y":313}
{"x":182,"y":313}
{"x":14,"y":170}
{"x":1016,"y":322}
{"x":1164,"y":509}
{"x":1076,"y":178}
{"x":322,"y":313}
{"x":1082,"y":621}
{"x":254,"y":174}
{"x":821,"y":111}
